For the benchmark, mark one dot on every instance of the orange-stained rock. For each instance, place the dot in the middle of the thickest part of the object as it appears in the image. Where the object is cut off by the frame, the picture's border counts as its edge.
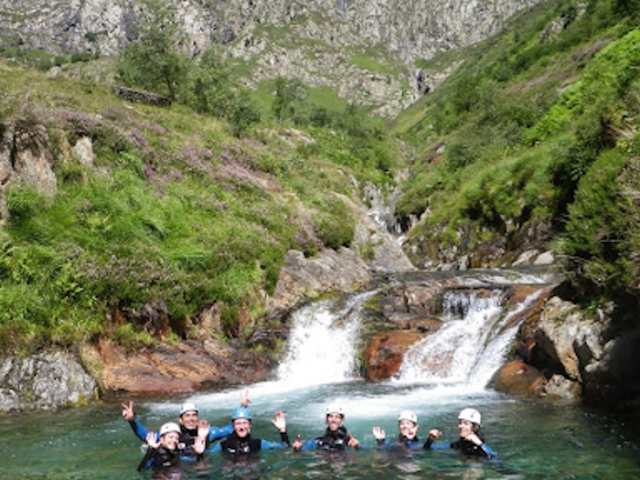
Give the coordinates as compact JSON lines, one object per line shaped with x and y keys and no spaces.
{"x":190,"y":366}
{"x":518,"y":378}
{"x":385,"y":351}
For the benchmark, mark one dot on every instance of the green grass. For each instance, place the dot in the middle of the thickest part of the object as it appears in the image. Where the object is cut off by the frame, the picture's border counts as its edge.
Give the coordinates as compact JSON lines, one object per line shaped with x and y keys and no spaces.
{"x":176,"y":211}
{"x":519,"y":135}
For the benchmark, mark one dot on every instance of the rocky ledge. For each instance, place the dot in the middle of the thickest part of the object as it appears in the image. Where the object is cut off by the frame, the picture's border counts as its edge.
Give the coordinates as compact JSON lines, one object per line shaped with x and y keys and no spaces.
{"x":44,"y":381}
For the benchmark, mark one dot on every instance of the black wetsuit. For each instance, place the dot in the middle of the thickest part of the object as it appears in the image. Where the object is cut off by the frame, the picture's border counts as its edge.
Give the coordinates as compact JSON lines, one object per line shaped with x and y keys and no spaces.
{"x":234,"y":445}
{"x":159,"y":459}
{"x":466,"y":447}
{"x":331,"y":440}
{"x":411,"y":443}
{"x":187,"y":439}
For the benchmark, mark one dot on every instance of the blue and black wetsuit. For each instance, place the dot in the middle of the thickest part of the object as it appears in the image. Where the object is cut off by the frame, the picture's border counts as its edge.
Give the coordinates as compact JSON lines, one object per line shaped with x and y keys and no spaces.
{"x":234,"y":445}
{"x":466,"y":447}
{"x":331,"y":440}
{"x":402,"y":442}
{"x":187,"y":436}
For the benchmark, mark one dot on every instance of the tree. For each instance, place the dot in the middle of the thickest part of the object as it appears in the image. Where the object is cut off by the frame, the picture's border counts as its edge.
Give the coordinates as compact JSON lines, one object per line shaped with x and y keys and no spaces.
{"x":154,"y":61}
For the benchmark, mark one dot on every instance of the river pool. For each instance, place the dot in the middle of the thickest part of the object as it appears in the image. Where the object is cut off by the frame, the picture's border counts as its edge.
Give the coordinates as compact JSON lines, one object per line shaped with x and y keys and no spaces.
{"x":535,"y":439}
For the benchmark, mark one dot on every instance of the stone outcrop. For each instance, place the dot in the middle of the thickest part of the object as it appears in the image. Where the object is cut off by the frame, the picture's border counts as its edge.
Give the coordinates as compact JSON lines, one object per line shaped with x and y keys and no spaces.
{"x":44,"y":381}
{"x":187,"y":367}
{"x":25,"y":159}
{"x":302,"y":279}
{"x":317,"y":41}
{"x":570,"y":354}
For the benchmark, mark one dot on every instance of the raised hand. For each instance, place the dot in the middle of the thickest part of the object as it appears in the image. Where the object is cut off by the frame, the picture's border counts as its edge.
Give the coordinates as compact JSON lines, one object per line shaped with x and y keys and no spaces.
{"x":434,"y":433}
{"x":279,"y":422}
{"x":199,"y":445}
{"x":297,"y":444}
{"x":244,"y":399}
{"x":127,"y":411}
{"x":474,"y":439}
{"x":203,"y":429}
{"x":353,"y":442}
{"x":152,"y":440}
{"x":378,"y":433}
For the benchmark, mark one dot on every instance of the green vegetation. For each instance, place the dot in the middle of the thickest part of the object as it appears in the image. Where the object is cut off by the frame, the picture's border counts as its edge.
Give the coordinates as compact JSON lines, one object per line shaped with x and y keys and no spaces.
{"x":177,"y":211}
{"x":537,"y":126}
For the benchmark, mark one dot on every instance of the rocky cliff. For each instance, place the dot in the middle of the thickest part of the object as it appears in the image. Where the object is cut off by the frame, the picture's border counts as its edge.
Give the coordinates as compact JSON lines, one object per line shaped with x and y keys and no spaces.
{"x":364,"y":49}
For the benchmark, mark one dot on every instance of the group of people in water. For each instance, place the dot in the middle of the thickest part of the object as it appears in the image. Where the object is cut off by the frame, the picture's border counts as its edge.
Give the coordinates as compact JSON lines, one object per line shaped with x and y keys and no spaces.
{"x":190,"y":438}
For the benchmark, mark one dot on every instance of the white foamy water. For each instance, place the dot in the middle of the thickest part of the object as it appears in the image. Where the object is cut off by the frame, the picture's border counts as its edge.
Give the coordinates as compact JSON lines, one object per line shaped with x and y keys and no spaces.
{"x":449,"y":355}
{"x":322,"y":344}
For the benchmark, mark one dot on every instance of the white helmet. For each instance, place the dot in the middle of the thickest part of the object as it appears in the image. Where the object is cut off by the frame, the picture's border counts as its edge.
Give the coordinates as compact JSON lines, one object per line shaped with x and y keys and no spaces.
{"x":335,"y":408}
{"x":408,"y":415}
{"x":169,"y":427}
{"x":470,"y":414}
{"x":188,"y":407}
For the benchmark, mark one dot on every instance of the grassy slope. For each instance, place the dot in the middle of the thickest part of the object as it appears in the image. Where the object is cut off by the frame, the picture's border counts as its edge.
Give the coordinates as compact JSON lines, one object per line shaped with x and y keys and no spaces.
{"x":538,"y":125}
{"x":175,"y":211}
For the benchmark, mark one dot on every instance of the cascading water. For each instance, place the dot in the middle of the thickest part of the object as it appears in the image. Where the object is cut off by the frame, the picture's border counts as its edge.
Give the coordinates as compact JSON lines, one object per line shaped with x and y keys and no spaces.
{"x":322,"y":343}
{"x":319,"y":369}
{"x":449,"y":355}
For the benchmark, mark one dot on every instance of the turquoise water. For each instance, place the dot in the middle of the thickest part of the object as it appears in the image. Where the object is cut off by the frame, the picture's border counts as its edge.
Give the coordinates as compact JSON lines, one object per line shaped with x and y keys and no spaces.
{"x":535,"y":439}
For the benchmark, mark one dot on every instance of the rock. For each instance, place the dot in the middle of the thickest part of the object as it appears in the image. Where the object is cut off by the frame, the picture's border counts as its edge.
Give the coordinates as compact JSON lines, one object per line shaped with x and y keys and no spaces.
{"x":312,"y":38}
{"x":25,"y":157}
{"x":560,"y":387}
{"x":568,"y":338}
{"x":518,"y":378}
{"x":546,"y":258}
{"x":187,"y":367}
{"x":384,"y":353}
{"x":83,"y":151}
{"x":44,"y":381}
{"x":303,"y":278}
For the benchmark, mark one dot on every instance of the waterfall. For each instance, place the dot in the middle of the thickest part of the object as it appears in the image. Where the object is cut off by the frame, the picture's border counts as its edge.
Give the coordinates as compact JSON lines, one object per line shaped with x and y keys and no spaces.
{"x":472,"y":343}
{"x":322,"y":343}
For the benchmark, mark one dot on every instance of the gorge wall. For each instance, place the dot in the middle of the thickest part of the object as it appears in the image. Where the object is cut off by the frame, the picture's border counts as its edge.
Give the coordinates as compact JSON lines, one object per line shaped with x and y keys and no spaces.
{"x":321,"y":42}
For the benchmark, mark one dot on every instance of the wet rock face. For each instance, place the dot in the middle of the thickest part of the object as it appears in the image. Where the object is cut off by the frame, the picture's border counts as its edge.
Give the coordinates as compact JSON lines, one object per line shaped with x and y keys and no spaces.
{"x":44,"y":381}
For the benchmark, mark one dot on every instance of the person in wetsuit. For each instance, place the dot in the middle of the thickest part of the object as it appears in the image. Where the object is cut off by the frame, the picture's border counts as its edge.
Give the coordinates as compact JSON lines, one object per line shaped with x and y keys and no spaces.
{"x":241,"y":442}
{"x":471,"y":442}
{"x":407,"y":436}
{"x":190,"y":426}
{"x":162,"y":450}
{"x":335,"y":438}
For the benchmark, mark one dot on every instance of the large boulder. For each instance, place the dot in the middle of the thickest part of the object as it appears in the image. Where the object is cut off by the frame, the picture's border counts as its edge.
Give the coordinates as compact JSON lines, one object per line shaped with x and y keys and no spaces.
{"x":47,"y":380}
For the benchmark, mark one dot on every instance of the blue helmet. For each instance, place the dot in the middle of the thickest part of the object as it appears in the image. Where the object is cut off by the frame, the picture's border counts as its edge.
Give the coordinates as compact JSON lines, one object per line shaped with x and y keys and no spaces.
{"x":241,"y":412}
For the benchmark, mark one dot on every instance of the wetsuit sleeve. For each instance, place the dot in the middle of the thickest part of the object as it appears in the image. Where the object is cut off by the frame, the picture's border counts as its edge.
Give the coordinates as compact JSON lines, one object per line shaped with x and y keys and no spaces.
{"x":487,"y":450}
{"x":219,"y":432}
{"x":284,"y":443}
{"x":429,"y":445}
{"x":309,"y":445}
{"x":138,"y":429}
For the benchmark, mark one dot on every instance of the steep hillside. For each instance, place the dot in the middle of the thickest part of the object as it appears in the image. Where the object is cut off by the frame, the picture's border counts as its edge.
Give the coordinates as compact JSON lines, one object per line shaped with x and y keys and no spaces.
{"x":128,"y":220}
{"x":366,"y":50}
{"x":533,"y":144}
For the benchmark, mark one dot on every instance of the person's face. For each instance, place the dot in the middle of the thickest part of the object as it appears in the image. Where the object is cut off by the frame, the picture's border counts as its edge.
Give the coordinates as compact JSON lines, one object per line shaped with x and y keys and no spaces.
{"x":170,"y":440}
{"x":189,"y":419}
{"x":408,"y":428}
{"x":334,"y":421}
{"x":465,"y":428}
{"x":242,"y":427}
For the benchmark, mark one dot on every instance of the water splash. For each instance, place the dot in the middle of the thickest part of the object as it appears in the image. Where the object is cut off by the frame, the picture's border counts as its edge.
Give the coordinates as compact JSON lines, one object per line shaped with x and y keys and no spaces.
{"x":322,"y":343}
{"x":449,"y":355}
